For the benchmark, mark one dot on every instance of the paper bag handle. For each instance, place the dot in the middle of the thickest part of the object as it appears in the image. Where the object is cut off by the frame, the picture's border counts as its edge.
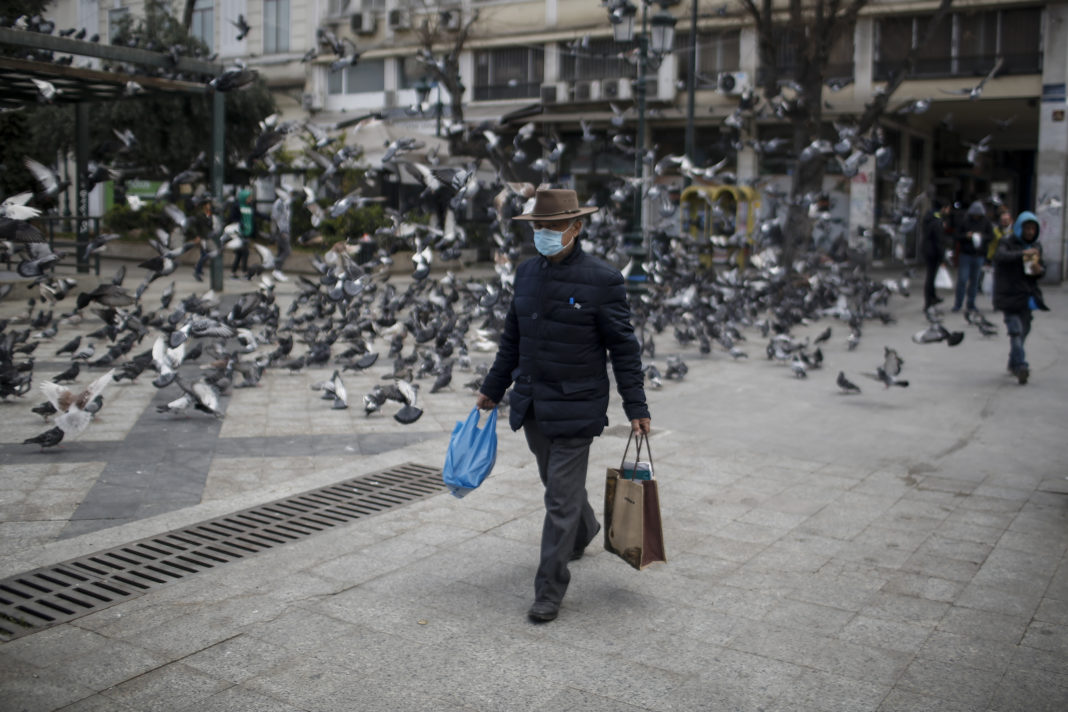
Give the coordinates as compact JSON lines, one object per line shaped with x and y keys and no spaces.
{"x":642,"y":438}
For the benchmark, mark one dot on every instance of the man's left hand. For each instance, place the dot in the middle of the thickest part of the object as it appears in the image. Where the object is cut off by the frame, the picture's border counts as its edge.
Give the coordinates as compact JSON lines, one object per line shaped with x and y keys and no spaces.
{"x":641,"y":425}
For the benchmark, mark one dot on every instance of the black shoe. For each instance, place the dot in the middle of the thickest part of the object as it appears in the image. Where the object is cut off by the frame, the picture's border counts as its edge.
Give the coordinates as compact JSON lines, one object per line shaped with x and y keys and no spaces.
{"x":198,"y":277}
{"x":543,"y":612}
{"x":577,"y":553}
{"x":1022,"y":374}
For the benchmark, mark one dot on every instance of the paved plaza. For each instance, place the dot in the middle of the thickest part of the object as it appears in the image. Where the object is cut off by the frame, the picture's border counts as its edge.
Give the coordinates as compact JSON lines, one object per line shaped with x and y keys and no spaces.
{"x":898,"y":550}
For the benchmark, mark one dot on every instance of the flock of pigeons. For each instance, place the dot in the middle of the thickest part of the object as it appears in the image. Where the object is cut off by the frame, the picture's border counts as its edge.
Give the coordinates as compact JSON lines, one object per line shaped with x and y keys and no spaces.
{"x":351,"y":312}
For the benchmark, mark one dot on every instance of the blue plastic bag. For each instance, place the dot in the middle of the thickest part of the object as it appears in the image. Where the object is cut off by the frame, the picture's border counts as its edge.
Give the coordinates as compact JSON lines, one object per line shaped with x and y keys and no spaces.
{"x":472,"y":453}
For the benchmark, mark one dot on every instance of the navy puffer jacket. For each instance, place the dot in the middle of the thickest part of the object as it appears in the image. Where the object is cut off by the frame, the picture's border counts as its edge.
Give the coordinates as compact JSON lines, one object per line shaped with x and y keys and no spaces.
{"x":566,"y":318}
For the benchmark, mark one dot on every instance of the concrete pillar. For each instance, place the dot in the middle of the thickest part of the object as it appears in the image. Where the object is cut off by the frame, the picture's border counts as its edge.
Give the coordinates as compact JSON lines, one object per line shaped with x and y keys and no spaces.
{"x":863,"y":58}
{"x":1053,"y":141}
{"x":551,"y":70}
{"x":748,"y":53}
{"x":747,"y":165}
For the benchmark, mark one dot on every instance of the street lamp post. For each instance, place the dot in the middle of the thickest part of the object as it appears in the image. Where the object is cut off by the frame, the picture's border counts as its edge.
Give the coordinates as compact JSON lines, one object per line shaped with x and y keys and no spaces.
{"x":652,"y":46}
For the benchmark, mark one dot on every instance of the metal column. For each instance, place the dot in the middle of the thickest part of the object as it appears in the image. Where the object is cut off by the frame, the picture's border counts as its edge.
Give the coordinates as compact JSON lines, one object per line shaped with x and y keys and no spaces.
{"x":81,"y":183}
{"x":218,"y":165}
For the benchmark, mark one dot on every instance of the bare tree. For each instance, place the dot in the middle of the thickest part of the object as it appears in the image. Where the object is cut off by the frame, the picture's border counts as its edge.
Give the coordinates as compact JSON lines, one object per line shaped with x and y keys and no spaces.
{"x":805,"y":32}
{"x":442,"y":34}
{"x":187,"y":14}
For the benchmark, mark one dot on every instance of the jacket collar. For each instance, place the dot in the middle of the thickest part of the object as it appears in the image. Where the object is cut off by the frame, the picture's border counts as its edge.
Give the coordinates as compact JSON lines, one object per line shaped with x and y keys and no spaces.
{"x":571,"y":256}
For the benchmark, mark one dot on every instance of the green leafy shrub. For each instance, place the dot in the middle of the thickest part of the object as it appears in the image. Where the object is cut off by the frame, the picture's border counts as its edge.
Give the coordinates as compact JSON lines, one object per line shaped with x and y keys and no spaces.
{"x":123,"y":219}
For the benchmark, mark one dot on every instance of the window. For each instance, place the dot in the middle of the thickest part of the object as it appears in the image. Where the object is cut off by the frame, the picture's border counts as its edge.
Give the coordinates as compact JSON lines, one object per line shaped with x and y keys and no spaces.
{"x":115,"y":21}
{"x":716,"y":52}
{"x":203,"y":27}
{"x":965,"y":43}
{"x":367,"y":76}
{"x":933,"y":58}
{"x":337,"y":7}
{"x":275,"y":26}
{"x":409,"y":71}
{"x":1020,"y":40}
{"x":602,"y":59}
{"x":509,"y":73}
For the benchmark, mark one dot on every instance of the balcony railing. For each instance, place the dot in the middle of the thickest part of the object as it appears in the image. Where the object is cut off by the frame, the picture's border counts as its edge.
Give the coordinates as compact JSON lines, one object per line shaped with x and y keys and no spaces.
{"x":963,"y":66}
{"x":788,"y":71}
{"x":497,"y":92}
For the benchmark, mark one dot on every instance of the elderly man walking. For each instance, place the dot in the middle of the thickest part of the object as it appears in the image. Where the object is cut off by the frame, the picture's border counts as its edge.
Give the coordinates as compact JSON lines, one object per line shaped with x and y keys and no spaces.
{"x":569,"y":315}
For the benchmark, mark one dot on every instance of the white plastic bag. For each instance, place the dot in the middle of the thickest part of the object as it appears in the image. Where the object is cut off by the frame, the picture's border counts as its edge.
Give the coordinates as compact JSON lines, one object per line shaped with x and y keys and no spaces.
{"x":942,"y":278}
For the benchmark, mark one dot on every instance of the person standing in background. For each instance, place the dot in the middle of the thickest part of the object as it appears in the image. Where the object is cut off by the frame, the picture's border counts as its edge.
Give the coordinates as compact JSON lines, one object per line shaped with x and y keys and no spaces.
{"x":974,"y":236}
{"x":281,"y":214}
{"x":934,"y":231}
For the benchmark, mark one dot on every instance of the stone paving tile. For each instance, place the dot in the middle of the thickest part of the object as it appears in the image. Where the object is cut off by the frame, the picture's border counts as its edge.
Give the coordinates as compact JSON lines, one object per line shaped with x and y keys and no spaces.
{"x":237,"y":659}
{"x":1013,"y":600}
{"x":571,"y":699}
{"x":924,"y":586}
{"x":967,"y":650}
{"x":734,"y":680}
{"x":935,"y":678}
{"x":32,"y":688}
{"x":880,"y":633}
{"x":816,"y":690}
{"x":740,"y":602}
{"x":1028,"y":690}
{"x":773,"y":640}
{"x":900,"y":700}
{"x":98,"y":703}
{"x":242,"y":699}
{"x":908,"y":609}
{"x":809,"y":616}
{"x":1005,"y":629}
{"x":844,"y":592}
{"x":166,"y":689}
{"x":1047,"y":636}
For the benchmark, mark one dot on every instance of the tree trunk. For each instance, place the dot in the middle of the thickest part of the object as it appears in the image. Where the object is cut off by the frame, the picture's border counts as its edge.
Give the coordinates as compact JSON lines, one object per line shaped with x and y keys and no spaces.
{"x":187,"y":14}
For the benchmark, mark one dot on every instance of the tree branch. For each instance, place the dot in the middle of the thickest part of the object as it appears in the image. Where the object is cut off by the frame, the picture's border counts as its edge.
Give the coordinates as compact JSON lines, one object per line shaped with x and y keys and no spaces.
{"x":877,"y":107}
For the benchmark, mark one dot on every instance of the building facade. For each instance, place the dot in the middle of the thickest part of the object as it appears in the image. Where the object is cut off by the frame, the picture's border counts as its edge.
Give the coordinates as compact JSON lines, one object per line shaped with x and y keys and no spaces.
{"x":558,"y":56}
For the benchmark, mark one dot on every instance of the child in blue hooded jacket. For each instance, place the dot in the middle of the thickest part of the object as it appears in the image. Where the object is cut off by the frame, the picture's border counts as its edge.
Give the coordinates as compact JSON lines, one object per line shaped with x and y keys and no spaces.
{"x":1018,"y":266}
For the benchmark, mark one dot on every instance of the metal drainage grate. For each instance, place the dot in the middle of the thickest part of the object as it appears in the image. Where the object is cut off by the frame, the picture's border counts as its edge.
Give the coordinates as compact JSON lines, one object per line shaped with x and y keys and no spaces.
{"x":56,"y":594}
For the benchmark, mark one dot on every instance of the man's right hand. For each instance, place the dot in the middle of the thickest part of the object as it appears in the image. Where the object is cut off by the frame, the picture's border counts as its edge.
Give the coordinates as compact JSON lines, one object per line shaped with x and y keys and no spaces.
{"x":484,"y":403}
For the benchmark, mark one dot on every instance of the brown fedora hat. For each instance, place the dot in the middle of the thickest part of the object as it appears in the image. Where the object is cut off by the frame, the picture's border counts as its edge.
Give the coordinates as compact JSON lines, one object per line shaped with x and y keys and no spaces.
{"x":554,"y":204}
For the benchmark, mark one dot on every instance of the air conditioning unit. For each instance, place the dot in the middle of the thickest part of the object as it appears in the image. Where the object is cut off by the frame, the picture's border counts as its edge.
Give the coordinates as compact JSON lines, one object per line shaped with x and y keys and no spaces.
{"x":732,"y":83}
{"x":615,"y":89}
{"x":363,"y":23}
{"x":587,"y":90}
{"x":552,"y":94}
{"x":450,"y":19}
{"x":398,"y":20}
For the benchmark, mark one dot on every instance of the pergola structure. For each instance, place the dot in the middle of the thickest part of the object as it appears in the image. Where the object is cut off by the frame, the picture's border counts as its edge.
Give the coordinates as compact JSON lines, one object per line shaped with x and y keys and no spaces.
{"x":81,"y":87}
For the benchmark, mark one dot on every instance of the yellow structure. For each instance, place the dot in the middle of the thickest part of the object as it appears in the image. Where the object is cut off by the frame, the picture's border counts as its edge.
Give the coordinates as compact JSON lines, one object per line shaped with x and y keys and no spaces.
{"x":722,"y":219}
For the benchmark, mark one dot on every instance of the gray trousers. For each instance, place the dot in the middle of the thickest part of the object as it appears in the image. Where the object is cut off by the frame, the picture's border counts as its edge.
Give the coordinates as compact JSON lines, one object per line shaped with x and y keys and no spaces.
{"x":570,"y":522}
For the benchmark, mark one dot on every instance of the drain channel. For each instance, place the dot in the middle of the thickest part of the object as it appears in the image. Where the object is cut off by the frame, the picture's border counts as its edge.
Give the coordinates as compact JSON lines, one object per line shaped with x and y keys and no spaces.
{"x":52,"y":595}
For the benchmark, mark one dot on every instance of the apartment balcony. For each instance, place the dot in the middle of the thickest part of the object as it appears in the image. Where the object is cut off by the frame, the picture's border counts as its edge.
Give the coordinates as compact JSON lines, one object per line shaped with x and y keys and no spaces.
{"x":963,"y":66}
{"x":504,"y":92}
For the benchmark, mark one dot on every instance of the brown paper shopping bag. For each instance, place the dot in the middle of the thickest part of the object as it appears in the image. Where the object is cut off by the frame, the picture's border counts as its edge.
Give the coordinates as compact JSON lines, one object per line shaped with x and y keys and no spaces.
{"x":633,"y":529}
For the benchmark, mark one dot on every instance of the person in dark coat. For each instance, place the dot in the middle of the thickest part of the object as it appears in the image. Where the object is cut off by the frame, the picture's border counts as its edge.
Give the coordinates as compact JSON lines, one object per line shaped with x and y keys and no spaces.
{"x":243,"y":212}
{"x":973,"y":238}
{"x":568,"y":316}
{"x":1018,"y":266}
{"x":934,"y":231}
{"x":204,"y":230}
